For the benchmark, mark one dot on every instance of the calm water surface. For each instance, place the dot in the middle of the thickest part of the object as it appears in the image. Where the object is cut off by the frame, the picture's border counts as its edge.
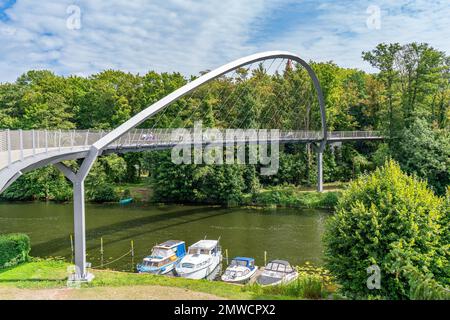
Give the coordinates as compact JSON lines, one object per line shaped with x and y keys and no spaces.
{"x":291,"y":234}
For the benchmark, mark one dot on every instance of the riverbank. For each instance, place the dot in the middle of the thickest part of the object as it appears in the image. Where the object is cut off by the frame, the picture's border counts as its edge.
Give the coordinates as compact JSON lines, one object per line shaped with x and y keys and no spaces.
{"x":287,"y":196}
{"x":291,"y":197}
{"x":47,"y":279}
{"x":284,"y":196}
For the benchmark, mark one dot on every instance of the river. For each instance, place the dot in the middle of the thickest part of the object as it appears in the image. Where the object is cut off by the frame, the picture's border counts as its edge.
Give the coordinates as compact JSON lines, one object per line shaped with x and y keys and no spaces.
{"x":290,"y":234}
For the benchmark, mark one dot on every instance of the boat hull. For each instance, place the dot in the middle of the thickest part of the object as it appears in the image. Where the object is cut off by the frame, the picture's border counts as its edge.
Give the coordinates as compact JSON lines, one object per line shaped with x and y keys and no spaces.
{"x":240,"y":280}
{"x":201,"y":273}
{"x":163,"y":270}
{"x":266,"y":281}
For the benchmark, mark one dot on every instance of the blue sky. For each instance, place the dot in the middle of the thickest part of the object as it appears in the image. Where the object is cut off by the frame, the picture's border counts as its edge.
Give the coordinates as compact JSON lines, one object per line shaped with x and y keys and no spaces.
{"x":193,"y":35}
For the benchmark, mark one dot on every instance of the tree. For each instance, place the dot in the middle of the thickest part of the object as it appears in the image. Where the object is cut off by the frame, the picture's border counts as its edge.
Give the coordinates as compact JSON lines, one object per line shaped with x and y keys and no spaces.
{"x":383,"y":57}
{"x":41,"y":184}
{"x":99,"y":187}
{"x":388,"y":219}
{"x":425,"y":152}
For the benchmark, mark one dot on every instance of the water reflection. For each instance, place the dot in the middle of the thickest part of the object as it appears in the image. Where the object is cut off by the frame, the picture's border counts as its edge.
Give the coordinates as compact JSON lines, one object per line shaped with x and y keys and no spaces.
{"x":290,"y":234}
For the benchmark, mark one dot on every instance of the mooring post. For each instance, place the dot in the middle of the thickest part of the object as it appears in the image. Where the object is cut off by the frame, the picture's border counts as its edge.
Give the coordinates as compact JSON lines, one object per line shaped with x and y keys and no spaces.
{"x":71,"y":246}
{"x":265,"y":258}
{"x":226,"y":255}
{"x":132,"y":255}
{"x":101,"y":252}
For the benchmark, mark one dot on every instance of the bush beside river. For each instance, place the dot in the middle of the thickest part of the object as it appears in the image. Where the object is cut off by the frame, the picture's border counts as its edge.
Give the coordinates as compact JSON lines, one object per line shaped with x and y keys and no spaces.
{"x":291,"y":196}
{"x":288,"y":196}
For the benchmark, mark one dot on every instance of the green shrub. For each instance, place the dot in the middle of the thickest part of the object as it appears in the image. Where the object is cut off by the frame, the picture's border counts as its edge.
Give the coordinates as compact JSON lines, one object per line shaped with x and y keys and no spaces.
{"x":291,"y":196}
{"x":305,"y":286}
{"x":379,"y":216}
{"x":14,"y":249}
{"x":424,"y":287}
{"x":105,"y":192}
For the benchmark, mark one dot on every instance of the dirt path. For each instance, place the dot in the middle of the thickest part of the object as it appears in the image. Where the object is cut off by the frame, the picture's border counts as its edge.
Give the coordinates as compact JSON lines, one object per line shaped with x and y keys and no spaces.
{"x":109,"y":293}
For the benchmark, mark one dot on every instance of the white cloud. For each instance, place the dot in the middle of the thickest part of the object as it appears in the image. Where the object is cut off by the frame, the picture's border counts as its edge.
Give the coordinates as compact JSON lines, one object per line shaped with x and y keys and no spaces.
{"x":193,"y":35}
{"x":340,"y":32}
{"x":136,"y":36}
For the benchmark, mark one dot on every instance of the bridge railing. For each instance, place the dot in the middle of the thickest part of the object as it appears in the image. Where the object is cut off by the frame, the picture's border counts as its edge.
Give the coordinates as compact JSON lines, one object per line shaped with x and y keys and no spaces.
{"x":353,"y":134}
{"x":142,"y":137}
{"x":15,"y":145}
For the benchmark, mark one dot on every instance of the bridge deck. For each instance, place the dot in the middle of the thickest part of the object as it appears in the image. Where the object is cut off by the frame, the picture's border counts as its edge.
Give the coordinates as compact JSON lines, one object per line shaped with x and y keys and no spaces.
{"x":25,"y":148}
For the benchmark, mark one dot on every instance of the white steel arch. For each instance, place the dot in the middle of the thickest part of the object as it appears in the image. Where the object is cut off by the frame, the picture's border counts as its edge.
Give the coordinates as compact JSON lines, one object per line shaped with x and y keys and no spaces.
{"x":179,"y":93}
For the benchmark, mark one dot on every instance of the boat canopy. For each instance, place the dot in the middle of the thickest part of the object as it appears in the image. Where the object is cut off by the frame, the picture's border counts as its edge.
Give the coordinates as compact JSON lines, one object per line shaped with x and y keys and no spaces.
{"x":204,"y":244}
{"x":168,"y":248}
{"x":170,"y":244}
{"x":279,"y":265}
{"x":160,"y":253}
{"x":244,"y":259}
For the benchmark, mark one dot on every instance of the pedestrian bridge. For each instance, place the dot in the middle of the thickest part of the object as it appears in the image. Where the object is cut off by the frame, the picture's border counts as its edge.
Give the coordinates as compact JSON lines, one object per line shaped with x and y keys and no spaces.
{"x":25,"y":150}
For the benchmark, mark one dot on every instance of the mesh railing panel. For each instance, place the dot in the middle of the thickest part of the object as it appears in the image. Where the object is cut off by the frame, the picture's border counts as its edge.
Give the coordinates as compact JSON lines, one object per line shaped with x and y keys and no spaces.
{"x":24,"y":143}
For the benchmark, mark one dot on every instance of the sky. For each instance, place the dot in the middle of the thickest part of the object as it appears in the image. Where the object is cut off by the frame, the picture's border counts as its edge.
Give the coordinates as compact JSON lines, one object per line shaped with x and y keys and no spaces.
{"x":82,"y":37}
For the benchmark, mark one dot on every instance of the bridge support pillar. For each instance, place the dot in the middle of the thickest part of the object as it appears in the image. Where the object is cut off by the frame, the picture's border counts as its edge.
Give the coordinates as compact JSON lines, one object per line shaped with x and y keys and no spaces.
{"x":81,"y":274}
{"x":319,"y":148}
{"x":320,"y":171}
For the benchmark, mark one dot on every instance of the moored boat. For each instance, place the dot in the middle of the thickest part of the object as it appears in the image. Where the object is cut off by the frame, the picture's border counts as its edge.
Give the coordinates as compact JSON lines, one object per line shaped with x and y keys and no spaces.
{"x":126,"y":201}
{"x":277,"y":272}
{"x":164,"y":257}
{"x":202,"y":259}
{"x":240,"y":270}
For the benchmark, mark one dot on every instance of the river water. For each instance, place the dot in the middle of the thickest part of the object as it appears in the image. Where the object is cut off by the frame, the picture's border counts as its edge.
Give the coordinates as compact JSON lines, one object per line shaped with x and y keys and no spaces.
{"x":290,"y":234}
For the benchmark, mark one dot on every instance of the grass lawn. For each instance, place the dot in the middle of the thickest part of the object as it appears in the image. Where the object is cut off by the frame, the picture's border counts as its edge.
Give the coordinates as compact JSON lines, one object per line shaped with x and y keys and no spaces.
{"x":48,"y":274}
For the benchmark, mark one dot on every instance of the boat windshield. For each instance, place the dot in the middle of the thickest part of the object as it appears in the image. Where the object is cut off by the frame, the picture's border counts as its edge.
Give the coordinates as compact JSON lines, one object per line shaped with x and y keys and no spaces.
{"x":198,"y":251}
{"x":273,"y":266}
{"x":150,"y":264}
{"x":161,"y":252}
{"x":235,"y":262}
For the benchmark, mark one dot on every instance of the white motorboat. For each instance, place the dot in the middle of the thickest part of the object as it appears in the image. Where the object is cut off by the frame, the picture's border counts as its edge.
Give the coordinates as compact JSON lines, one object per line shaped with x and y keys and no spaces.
{"x":202,"y":259}
{"x":240,"y":270}
{"x":277,"y":272}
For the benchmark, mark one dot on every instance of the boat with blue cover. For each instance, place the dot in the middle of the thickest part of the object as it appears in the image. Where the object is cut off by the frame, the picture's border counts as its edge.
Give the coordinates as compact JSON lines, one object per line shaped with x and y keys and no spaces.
{"x":240,"y":270}
{"x":164,"y":257}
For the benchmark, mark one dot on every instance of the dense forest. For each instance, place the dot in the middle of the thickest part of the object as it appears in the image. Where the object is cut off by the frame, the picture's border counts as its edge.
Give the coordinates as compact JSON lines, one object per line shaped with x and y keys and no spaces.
{"x":408,"y":99}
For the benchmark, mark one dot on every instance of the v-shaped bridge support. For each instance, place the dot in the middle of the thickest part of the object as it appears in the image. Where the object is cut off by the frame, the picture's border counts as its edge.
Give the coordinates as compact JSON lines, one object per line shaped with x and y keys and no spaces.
{"x":77,"y":180}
